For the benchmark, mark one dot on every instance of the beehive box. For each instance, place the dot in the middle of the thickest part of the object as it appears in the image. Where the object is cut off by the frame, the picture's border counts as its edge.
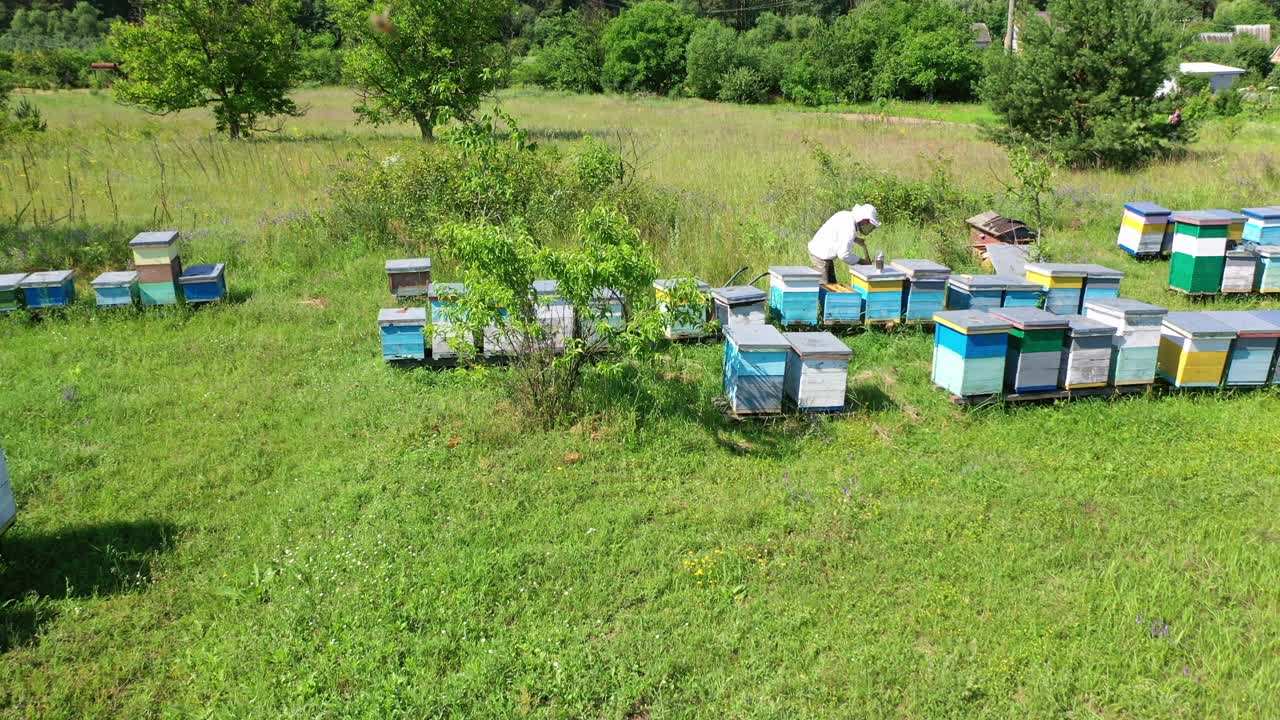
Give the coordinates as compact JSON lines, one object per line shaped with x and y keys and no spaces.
{"x":116,"y":289}
{"x":52,"y":289}
{"x":204,"y":283}
{"x":403,"y":332}
{"x":841,"y":305}
{"x":969,"y":350}
{"x":739,"y":305}
{"x":755,"y":365}
{"x":1236,"y":222}
{"x":164,"y":293}
{"x":1142,"y":228}
{"x":686,"y":322}
{"x":1199,"y":252}
{"x":606,"y":307}
{"x":1020,"y":292}
{"x":554,"y":313}
{"x":1262,"y":226}
{"x":409,"y":277}
{"x":1253,"y":352}
{"x":1239,"y":270}
{"x":1063,"y":286}
{"x":975,"y":292}
{"x":1034,"y":357}
{"x":1137,"y":339}
{"x":10,"y":294}
{"x":443,"y":297}
{"x":925,"y":290}
{"x":881,"y":290}
{"x":8,"y":508}
{"x":1193,"y":349}
{"x":158,"y":247}
{"x":793,"y":295}
{"x":1100,"y":283}
{"x":1086,"y":354}
{"x":817,"y":372}
{"x":1272,"y":317}
{"x":499,"y":339}
{"x":1267,"y":279}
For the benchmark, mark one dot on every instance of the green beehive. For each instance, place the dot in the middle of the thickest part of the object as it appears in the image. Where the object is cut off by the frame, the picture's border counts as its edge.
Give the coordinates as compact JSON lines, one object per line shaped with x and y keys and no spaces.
{"x":9,"y":298}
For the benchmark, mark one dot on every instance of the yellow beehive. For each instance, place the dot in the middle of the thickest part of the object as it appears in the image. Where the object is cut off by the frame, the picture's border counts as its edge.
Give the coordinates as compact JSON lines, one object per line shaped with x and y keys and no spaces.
{"x":155,"y":248}
{"x":1193,"y":349}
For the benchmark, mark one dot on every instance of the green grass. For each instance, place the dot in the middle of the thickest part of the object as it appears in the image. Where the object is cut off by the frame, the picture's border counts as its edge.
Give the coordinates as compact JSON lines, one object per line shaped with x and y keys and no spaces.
{"x":240,"y":511}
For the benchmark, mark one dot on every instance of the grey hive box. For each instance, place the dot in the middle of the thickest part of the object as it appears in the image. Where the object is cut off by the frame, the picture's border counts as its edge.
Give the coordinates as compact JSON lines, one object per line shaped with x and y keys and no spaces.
{"x":606,"y":307}
{"x":1137,"y":339}
{"x":739,"y":305}
{"x":1086,"y":354}
{"x":755,"y":365}
{"x":409,"y":277}
{"x":8,"y":509}
{"x":554,"y":313}
{"x":1240,"y":270}
{"x":10,"y":299}
{"x":817,"y":371}
{"x":1253,"y":351}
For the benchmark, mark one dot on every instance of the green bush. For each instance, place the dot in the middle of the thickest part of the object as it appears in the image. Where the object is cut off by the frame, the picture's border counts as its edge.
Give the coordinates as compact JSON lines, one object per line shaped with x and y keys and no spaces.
{"x":52,"y":69}
{"x":744,"y":85}
{"x":1243,"y":12}
{"x":645,"y":47}
{"x":568,"y":55}
{"x":712,"y":53}
{"x":320,"y":60}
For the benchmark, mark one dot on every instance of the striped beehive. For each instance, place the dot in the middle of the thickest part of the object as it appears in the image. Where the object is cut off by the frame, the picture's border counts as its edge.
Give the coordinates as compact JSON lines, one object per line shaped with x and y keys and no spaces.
{"x":1235,"y":226}
{"x":409,"y":277}
{"x":1020,"y":292}
{"x":444,"y":296}
{"x":1267,"y":279}
{"x":975,"y":292}
{"x":969,"y":349}
{"x":1142,"y":229}
{"x":793,"y":295}
{"x":116,"y":289}
{"x":685,"y":321}
{"x":1272,"y":317}
{"x":403,"y":332}
{"x":1034,"y":356}
{"x":1086,"y":354}
{"x":739,"y":305}
{"x":1199,"y":252}
{"x":8,"y":508}
{"x":10,"y":294}
{"x":925,"y":291}
{"x":1253,"y":352}
{"x":755,"y":366}
{"x":1193,"y":349}
{"x":841,"y":305}
{"x":1239,"y":270}
{"x":159,"y":265}
{"x":1137,"y":338}
{"x":204,"y":283}
{"x":52,"y":289}
{"x":606,"y":308}
{"x":817,"y":372}
{"x":1262,"y":226}
{"x":555,"y":314}
{"x":881,"y":291}
{"x":1063,"y":286}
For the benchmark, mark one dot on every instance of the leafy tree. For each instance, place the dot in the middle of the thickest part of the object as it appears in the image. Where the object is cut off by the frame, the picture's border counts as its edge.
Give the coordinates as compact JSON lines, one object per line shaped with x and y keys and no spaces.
{"x":711,"y":54}
{"x":1243,"y":12}
{"x":239,"y":58}
{"x":569,"y":55}
{"x":426,"y":61}
{"x":1084,"y":87}
{"x":645,"y":47}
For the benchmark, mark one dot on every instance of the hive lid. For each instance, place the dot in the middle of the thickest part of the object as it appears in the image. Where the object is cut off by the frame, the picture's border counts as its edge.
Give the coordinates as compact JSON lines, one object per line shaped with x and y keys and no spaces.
{"x":9,"y":282}
{"x":1271,"y":316}
{"x":1029,"y":318}
{"x":668,"y":283}
{"x":546,"y":287}
{"x":1270,"y":212}
{"x":402,"y":316}
{"x":1017,"y":284}
{"x":871,"y":272}
{"x":155,"y":238}
{"x":606,"y":295}
{"x":1124,"y":307}
{"x":1247,"y":323}
{"x":920,"y":268}
{"x":811,"y":344}
{"x":795,"y":272}
{"x":1100,"y":272}
{"x":979,"y":282}
{"x":1147,"y":208}
{"x":1200,"y":217}
{"x":1267,"y":251}
{"x":118,"y":278}
{"x":1229,"y":215}
{"x":1242,"y":252}
{"x":756,"y":337}
{"x":972,"y":320}
{"x":51,"y":278}
{"x":409,"y":265}
{"x":1198,"y":325}
{"x":1082,"y":326}
{"x":737,"y":294}
{"x":201,"y":273}
{"x":449,"y":289}
{"x":1063,"y":270}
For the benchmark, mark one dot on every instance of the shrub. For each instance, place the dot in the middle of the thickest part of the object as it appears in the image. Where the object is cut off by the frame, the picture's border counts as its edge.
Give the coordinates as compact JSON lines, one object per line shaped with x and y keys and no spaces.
{"x":645,"y":47}
{"x":51,"y":69}
{"x":1242,"y":12}
{"x":744,"y":85}
{"x":320,"y":60}
{"x":569,"y":54}
{"x":27,"y":117}
{"x":712,"y":53}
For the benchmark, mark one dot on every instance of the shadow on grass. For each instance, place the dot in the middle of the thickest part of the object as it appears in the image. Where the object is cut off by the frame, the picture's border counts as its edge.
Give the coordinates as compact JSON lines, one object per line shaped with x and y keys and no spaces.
{"x":864,"y":397}
{"x":80,"y":562}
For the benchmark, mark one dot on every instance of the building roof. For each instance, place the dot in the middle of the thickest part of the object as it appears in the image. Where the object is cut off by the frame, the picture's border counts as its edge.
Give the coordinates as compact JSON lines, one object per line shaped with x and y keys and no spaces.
{"x":1219,"y":38}
{"x":1262,"y":32}
{"x":1208,"y":68}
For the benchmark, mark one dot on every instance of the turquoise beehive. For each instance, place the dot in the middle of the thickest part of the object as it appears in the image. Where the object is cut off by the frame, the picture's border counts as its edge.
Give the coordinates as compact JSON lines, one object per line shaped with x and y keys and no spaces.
{"x":969,"y":348}
{"x":1253,"y":351}
{"x":403,"y":332}
{"x":925,"y":293}
{"x":755,"y":366}
{"x":793,"y":295}
{"x":116,"y":289}
{"x":975,"y":292}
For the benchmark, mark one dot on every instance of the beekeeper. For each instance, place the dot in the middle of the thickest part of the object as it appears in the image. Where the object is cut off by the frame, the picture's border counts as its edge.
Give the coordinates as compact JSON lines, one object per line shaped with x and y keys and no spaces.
{"x":836,"y":239}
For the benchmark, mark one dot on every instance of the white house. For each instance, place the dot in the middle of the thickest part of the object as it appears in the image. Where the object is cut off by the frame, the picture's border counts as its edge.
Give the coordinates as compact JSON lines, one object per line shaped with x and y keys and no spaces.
{"x":1221,"y":77}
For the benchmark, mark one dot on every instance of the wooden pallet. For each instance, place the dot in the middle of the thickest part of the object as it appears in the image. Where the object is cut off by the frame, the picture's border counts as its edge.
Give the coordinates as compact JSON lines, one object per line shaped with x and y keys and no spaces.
{"x":721,"y":404}
{"x":1046,"y":395}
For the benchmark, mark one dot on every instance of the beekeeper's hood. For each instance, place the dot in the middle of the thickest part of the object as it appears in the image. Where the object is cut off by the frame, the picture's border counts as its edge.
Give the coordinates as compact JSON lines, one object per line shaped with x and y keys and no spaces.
{"x":867,"y":213}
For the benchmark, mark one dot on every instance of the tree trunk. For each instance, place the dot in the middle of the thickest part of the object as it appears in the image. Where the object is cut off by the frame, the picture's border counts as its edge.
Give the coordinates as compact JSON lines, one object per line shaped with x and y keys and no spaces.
{"x":428,"y":128}
{"x":233,"y":127}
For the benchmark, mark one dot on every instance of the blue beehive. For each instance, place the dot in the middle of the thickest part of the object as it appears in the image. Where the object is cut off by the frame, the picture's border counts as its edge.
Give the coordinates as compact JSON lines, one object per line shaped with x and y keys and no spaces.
{"x":1063,"y":285}
{"x":1020,"y":292}
{"x":975,"y":292}
{"x":1273,"y":317}
{"x":969,"y":348}
{"x":10,"y":296}
{"x":881,"y":291}
{"x":1267,"y":279}
{"x":925,"y":292}
{"x":53,"y":289}
{"x":1100,"y":283}
{"x":116,"y":289}
{"x":204,"y":283}
{"x":1253,"y":352}
{"x":755,"y":366}
{"x":793,"y":294}
{"x":1262,"y":226}
{"x":8,"y":509}
{"x":443,"y":297}
{"x":403,"y":332}
{"x":841,"y":305}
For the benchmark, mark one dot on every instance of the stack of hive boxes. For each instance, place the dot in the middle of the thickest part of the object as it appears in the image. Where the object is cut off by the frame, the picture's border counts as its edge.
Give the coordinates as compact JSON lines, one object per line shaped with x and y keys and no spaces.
{"x":881,"y":291}
{"x":1240,"y":270}
{"x":1086,"y":355}
{"x":969,"y":349}
{"x":1143,"y":228}
{"x":1063,"y":286}
{"x":10,"y":299}
{"x":116,"y":289}
{"x":975,"y":292}
{"x":1262,"y":226}
{"x":1268,"y":274}
{"x":1137,"y":338}
{"x":159,"y":265}
{"x":1199,"y":252}
{"x":793,"y":295}
{"x":1034,"y":357}
{"x":443,"y":297}
{"x":52,"y":289}
{"x":841,"y":305}
{"x":817,"y":371}
{"x":926,"y":288}
{"x":687,"y":321}
{"x":1253,"y":351}
{"x":403,"y":332}
{"x":606,"y":307}
{"x":554,"y":313}
{"x":409,"y":277}
{"x":1020,"y":292}
{"x":1193,"y":349}
{"x":204,"y":283}
{"x":8,"y":508}
{"x":1100,"y":283}
{"x":755,"y":365}
{"x":739,"y":305}
{"x":1235,"y":224}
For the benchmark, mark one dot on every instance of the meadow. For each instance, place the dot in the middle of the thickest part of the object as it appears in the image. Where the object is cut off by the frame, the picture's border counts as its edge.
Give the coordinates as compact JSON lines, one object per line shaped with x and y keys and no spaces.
{"x":239,"y":511}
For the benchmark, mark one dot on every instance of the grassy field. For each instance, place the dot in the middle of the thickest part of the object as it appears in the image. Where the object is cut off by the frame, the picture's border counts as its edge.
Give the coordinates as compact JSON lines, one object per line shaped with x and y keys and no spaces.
{"x":241,"y":512}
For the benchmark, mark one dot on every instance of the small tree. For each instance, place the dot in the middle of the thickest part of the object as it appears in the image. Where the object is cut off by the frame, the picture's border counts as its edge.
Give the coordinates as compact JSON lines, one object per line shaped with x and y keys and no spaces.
{"x":240,"y":58}
{"x":712,"y":53}
{"x":645,"y":47}
{"x":1032,"y":186}
{"x":425,"y":61}
{"x":1243,"y":12}
{"x":569,"y":55}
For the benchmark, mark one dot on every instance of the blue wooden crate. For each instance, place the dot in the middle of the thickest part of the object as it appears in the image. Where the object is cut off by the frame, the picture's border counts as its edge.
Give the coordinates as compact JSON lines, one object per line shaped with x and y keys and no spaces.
{"x":841,"y":305}
{"x":969,"y":352}
{"x":53,"y":289}
{"x":1253,"y":351}
{"x":204,"y":283}
{"x":925,"y":290}
{"x":116,"y":289}
{"x":1020,"y":292}
{"x":793,"y":294}
{"x":1262,"y":226}
{"x":755,"y":365}
{"x":974,"y":292}
{"x":403,"y":332}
